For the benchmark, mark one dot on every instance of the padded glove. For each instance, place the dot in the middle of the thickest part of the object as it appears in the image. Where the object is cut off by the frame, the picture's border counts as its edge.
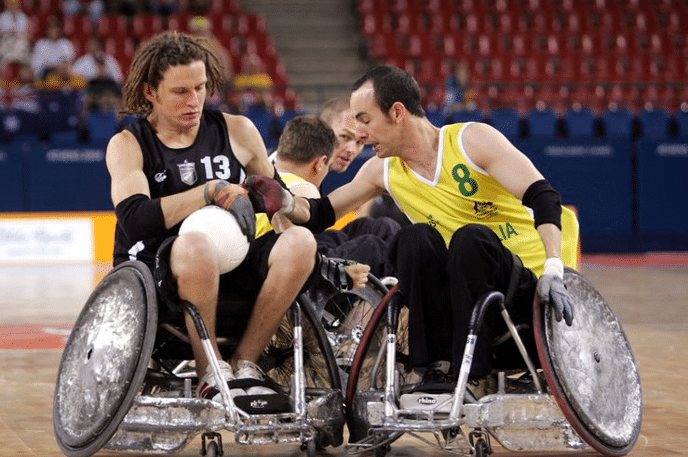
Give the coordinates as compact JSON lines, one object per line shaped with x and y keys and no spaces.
{"x":235,"y":199}
{"x":552,"y":290}
{"x":268,"y":196}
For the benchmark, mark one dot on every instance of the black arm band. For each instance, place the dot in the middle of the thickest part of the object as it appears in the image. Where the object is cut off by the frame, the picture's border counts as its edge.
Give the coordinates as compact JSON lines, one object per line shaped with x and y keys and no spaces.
{"x":322,"y":215}
{"x":140,"y":217}
{"x":545,"y":202}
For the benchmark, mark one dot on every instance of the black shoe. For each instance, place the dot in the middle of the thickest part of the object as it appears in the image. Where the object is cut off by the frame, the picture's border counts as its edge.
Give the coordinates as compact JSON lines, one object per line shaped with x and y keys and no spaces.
{"x":437,"y":379}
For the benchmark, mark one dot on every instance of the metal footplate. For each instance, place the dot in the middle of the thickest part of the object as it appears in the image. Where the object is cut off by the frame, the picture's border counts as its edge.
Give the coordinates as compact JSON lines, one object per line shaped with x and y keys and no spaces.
{"x":159,"y":424}
{"x":519,"y":422}
{"x":167,"y":425}
{"x":274,"y":429}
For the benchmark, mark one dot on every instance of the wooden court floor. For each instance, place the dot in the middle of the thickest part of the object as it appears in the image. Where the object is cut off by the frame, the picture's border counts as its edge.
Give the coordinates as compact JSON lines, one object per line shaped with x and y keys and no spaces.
{"x":648,"y":293}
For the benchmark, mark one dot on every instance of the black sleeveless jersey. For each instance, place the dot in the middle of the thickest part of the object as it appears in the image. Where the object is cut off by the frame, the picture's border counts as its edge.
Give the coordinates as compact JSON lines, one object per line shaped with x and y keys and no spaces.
{"x":171,"y":171}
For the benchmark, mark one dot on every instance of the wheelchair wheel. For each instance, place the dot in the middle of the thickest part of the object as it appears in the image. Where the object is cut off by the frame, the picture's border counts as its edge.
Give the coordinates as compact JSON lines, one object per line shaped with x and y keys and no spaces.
{"x":344,"y":316}
{"x":321,"y":371}
{"x":591,"y":370}
{"x":367,"y":377}
{"x":105,"y":359}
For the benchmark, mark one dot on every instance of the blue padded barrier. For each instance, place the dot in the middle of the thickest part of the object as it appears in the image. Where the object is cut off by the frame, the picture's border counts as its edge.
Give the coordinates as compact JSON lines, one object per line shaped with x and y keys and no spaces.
{"x":67,"y":178}
{"x":681,"y":118}
{"x":663,"y":187}
{"x":580,"y":124}
{"x":11,"y":177}
{"x":618,"y":124}
{"x":542,"y":123}
{"x":654,"y":124}
{"x":507,"y":121}
{"x":596,"y":177}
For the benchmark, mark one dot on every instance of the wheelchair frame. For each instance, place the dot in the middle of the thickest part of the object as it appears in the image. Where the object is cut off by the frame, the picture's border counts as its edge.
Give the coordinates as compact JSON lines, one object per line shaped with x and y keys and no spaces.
{"x":532,"y":420}
{"x":132,"y":416}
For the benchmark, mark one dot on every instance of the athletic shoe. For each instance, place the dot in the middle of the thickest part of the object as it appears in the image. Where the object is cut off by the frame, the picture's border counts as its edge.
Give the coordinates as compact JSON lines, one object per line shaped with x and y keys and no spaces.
{"x":248,"y":370}
{"x":480,"y":387}
{"x":437,"y":379}
{"x":207,"y":387}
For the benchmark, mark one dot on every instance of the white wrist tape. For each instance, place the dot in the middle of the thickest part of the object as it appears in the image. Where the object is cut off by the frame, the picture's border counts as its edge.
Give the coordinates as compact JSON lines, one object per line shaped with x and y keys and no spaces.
{"x":288,"y":203}
{"x":554,"y":266}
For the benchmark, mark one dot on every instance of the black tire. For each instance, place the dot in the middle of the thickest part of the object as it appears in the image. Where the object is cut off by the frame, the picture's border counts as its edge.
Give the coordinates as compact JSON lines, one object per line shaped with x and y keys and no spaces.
{"x":105,"y":359}
{"x":212,"y":450}
{"x":367,"y":379}
{"x":344,"y":316}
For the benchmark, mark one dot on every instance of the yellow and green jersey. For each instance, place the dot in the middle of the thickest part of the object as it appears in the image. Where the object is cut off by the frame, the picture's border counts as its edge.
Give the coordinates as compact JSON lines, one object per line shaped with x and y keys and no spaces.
{"x":462,"y":193}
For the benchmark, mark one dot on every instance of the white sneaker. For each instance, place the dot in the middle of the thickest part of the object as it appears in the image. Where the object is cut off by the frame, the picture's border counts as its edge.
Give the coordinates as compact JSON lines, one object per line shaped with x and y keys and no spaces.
{"x":249,"y":370}
{"x":207,"y":386}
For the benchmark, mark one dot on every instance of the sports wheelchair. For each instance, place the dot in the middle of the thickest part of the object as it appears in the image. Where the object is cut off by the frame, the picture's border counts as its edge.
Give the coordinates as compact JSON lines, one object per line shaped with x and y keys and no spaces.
{"x":125,"y":380}
{"x":582,"y":391}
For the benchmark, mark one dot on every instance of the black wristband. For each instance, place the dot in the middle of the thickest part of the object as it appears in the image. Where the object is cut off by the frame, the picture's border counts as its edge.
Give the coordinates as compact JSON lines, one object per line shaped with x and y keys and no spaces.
{"x":322,"y":215}
{"x":140,"y":217}
{"x":545,"y":202}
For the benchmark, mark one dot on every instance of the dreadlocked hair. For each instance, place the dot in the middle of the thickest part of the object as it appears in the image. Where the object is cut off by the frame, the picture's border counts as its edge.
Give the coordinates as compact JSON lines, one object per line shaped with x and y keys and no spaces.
{"x":156,"y":56}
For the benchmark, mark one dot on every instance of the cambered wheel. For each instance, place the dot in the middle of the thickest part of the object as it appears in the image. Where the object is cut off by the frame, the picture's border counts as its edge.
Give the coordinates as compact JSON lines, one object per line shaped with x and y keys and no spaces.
{"x":591,"y":370}
{"x":105,"y":359}
{"x":344,"y":316}
{"x":367,"y":377}
{"x":321,"y":371}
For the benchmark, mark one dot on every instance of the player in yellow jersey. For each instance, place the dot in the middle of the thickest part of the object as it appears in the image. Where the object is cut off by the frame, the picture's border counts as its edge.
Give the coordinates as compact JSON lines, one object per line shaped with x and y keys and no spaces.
{"x":483,"y":214}
{"x":306,"y":149}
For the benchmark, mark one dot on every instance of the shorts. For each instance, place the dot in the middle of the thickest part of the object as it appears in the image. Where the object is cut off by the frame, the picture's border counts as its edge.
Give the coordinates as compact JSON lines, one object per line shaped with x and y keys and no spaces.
{"x":238,"y":288}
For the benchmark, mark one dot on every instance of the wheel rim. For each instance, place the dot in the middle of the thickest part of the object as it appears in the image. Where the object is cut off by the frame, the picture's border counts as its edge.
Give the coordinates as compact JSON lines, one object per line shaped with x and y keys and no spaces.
{"x":105,"y":359}
{"x":591,"y":369}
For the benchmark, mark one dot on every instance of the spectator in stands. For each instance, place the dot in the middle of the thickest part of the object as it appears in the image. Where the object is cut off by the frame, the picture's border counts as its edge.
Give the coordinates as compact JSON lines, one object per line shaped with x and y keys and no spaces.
{"x":104,"y":76}
{"x":51,"y":50}
{"x":20,"y":91}
{"x":458,"y":90}
{"x":202,"y":27}
{"x":96,"y":64}
{"x":62,"y":78}
{"x":253,"y":82}
{"x":15,"y":44}
{"x":94,"y":9}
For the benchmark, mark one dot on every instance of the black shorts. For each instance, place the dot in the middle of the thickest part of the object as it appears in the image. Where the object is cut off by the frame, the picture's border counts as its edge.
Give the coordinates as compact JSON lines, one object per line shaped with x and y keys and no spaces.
{"x":238,"y":288}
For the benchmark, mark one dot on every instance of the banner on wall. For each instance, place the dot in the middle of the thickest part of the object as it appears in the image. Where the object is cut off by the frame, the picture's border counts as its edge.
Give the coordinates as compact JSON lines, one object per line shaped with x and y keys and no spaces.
{"x":41,"y":240}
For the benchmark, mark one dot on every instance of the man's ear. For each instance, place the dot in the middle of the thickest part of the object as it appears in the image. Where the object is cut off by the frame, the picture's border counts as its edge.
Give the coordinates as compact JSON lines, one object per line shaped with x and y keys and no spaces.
{"x":397,"y":111}
{"x":148,"y":92}
{"x":321,"y":162}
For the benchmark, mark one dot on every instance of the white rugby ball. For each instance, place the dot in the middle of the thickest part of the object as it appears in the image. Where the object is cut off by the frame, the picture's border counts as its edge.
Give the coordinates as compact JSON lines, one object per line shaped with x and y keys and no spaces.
{"x":222,"y":228}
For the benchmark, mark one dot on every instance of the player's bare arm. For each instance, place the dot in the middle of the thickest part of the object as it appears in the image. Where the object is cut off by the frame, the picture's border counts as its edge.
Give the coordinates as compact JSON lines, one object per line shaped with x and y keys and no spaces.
{"x":248,"y":146}
{"x":124,"y":160}
{"x":490,"y":150}
{"x":366,"y":185}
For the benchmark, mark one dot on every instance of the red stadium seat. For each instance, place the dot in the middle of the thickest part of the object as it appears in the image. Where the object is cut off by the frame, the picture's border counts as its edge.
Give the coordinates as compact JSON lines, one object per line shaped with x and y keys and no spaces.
{"x":112,"y":25}
{"x":146,"y":24}
{"x":384,"y":45}
{"x":420,"y":46}
{"x":77,"y":25}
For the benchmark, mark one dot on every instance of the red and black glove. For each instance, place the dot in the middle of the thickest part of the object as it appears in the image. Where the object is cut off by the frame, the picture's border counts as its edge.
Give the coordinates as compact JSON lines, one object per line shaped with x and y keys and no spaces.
{"x":268,"y":196}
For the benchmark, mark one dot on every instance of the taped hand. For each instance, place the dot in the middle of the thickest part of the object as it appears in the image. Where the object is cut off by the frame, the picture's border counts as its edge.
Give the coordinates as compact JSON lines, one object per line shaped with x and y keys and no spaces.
{"x":268,"y":196}
{"x":235,"y":199}
{"x":551,"y":290}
